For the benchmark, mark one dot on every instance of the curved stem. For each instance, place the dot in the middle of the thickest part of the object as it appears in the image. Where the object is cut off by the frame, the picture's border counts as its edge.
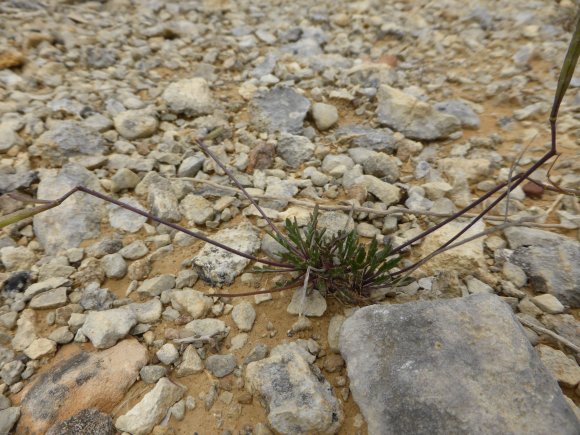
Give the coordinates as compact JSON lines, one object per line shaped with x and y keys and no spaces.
{"x":172,"y":225}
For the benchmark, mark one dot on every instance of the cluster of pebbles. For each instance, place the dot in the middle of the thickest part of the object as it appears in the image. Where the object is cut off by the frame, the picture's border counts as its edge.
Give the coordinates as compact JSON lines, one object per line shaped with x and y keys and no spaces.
{"x":388,"y":115}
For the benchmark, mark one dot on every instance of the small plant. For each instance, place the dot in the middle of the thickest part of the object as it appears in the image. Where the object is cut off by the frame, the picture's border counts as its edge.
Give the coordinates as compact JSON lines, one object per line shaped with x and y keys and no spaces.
{"x":338,"y":265}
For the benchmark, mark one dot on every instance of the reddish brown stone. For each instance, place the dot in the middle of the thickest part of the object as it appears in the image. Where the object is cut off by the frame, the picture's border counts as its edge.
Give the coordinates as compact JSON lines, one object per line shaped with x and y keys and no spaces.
{"x":533,"y":190}
{"x":261,"y":157}
{"x":81,"y":381}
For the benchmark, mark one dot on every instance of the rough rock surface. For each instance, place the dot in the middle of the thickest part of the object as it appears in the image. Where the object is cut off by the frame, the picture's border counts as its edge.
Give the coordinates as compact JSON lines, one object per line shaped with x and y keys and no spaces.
{"x":281,"y":109}
{"x":68,"y":139}
{"x":81,"y":381}
{"x":106,"y":328}
{"x":468,"y":364}
{"x":464,"y":258}
{"x":86,"y":421}
{"x":412,"y":117}
{"x":298,"y":397}
{"x":552,"y":268}
{"x":77,"y":219}
{"x":219,"y":267}
{"x":151,"y":409}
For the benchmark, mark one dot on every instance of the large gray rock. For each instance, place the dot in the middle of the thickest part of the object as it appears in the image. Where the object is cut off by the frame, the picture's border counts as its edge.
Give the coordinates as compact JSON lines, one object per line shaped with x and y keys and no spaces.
{"x":76,"y":219}
{"x":67,"y":139}
{"x":298,"y":397}
{"x":453,"y":366}
{"x":412,"y":117}
{"x":217,"y":266}
{"x":550,"y":262}
{"x":280,"y":109}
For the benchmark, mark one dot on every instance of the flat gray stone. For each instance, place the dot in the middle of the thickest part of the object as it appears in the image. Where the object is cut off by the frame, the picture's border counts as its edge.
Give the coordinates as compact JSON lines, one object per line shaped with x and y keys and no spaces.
{"x":76,"y":219}
{"x":280,"y":109}
{"x":377,"y":139}
{"x":67,"y":139}
{"x":453,"y":366}
{"x":552,"y":268}
{"x":220,"y":365}
{"x":414,"y":118}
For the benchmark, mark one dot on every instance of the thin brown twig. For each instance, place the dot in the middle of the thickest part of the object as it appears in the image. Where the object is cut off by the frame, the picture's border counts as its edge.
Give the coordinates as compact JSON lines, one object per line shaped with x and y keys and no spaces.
{"x":552,"y":334}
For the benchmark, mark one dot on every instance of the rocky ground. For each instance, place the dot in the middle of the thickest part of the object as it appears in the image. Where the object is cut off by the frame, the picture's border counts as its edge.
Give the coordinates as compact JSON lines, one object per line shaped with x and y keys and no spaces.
{"x":387,"y":114}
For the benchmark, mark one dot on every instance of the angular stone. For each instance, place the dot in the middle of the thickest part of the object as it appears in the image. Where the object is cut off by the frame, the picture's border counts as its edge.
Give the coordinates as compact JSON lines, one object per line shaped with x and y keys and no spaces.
{"x":135,"y":124}
{"x":39,"y":348}
{"x":552,"y":268}
{"x":51,"y":299}
{"x":462,"y":359}
{"x":220,"y":365}
{"x":191,"y":97}
{"x":294,"y":149}
{"x":464,"y":259}
{"x":8,"y":418}
{"x":106,"y":328}
{"x":76,"y":219}
{"x":217,"y":266}
{"x":193,"y":302}
{"x":141,"y":419}
{"x":65,"y":140}
{"x":565,"y":370}
{"x":548,"y":303}
{"x":126,"y":220}
{"x":154,"y":286}
{"x":298,"y":397}
{"x":280,"y":109}
{"x":190,"y":364}
{"x":244,"y":315}
{"x":80,"y":381}
{"x":310,"y":305}
{"x":412,"y":117}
